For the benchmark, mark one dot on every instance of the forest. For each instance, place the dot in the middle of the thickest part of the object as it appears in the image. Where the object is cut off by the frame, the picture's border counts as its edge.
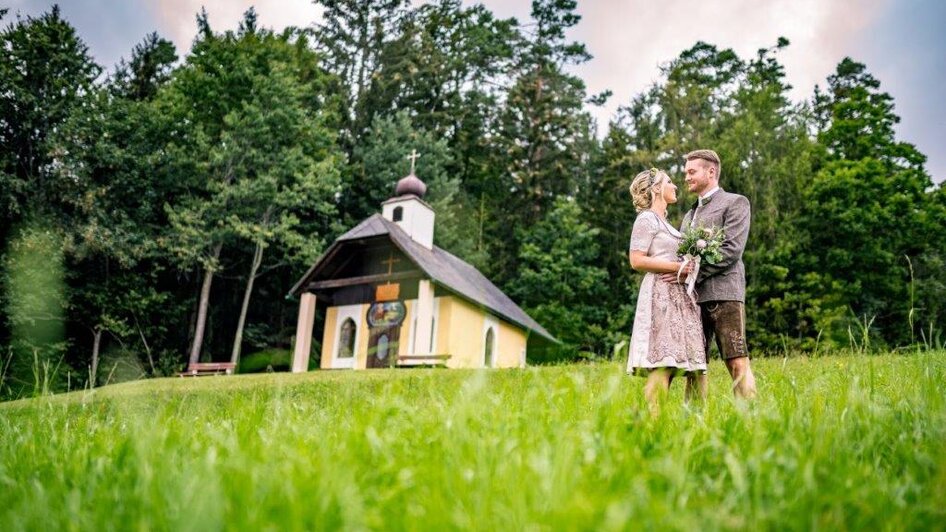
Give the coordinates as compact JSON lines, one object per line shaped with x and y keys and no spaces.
{"x":160,"y":209}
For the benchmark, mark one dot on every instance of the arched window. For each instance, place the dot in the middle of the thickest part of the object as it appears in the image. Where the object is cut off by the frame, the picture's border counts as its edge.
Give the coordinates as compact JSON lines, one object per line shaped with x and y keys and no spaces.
{"x":346,"y":339}
{"x":433,"y":327}
{"x":488,"y":348}
{"x":398,"y":214}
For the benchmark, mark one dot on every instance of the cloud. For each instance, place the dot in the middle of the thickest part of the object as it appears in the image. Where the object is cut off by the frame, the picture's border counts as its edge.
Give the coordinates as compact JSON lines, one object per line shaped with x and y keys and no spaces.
{"x":177,"y":18}
{"x":901,"y":43}
{"x":630,"y":39}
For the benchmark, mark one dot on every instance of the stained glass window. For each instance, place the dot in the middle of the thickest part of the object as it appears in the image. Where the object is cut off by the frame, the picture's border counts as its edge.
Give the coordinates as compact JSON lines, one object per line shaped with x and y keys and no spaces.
{"x":382,"y":347}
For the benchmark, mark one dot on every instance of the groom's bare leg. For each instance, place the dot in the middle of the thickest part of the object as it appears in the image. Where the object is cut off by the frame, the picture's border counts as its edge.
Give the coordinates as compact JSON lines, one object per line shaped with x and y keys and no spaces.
{"x":696,"y":389}
{"x":729,"y":323}
{"x":743,"y":381}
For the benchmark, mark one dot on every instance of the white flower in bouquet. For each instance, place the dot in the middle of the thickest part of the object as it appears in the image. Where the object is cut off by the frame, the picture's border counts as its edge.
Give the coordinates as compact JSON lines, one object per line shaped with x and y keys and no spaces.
{"x":703,"y":242}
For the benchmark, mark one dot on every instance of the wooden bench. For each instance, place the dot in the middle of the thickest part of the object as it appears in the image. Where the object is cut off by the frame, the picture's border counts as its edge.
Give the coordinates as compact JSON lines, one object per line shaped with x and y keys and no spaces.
{"x":439,"y":361}
{"x":209,"y":368}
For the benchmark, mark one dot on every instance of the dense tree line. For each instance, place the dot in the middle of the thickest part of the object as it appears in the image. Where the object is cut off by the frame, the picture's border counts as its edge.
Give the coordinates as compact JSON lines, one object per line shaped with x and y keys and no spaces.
{"x":158,"y":211}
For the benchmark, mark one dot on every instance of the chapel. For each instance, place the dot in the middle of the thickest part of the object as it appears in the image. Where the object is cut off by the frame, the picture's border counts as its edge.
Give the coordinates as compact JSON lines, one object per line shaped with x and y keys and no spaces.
{"x":391,"y":298}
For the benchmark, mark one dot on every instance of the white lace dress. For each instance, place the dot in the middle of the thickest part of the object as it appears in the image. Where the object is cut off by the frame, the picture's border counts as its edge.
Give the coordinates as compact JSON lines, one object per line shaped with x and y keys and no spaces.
{"x":667,"y":329}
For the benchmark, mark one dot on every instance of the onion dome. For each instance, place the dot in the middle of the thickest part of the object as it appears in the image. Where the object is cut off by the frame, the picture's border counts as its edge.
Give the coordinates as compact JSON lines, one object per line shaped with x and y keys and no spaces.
{"x":410,"y":185}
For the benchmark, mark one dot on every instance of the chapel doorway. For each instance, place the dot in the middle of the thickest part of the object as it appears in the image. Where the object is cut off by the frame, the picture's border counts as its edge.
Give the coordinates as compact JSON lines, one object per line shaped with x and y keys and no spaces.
{"x":384,"y":333}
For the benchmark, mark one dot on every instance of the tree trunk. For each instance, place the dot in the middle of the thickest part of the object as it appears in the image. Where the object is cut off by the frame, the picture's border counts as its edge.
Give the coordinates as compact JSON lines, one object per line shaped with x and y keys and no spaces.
{"x":96,"y":344}
{"x":144,"y":342}
{"x":363,"y":56}
{"x":238,"y":340}
{"x":202,"y":309}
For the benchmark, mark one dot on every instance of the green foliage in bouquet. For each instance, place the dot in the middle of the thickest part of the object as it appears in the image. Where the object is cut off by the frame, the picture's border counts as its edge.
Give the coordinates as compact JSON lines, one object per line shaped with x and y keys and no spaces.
{"x":703,"y":242}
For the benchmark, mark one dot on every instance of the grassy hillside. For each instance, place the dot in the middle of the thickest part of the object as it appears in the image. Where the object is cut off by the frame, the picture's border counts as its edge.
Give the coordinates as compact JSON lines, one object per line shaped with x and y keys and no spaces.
{"x":833,"y":443}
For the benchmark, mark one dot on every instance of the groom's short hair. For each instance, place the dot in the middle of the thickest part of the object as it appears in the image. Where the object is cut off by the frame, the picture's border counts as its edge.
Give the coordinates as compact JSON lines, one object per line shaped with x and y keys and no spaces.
{"x":709,"y":156}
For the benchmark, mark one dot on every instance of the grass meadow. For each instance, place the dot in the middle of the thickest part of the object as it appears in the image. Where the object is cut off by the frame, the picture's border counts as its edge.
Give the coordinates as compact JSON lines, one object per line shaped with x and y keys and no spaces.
{"x":836,"y":443}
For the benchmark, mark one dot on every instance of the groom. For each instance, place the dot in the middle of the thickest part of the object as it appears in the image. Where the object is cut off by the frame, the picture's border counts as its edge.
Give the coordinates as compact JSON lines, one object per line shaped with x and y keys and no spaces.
{"x":721,"y":287}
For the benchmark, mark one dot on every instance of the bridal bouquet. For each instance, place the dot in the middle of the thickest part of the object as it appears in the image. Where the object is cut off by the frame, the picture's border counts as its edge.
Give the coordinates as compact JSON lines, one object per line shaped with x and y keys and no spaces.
{"x":700,"y":245}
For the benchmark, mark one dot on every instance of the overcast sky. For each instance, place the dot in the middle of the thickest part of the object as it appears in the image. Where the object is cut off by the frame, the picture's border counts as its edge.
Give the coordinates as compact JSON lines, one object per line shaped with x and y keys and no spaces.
{"x":901,"y":42}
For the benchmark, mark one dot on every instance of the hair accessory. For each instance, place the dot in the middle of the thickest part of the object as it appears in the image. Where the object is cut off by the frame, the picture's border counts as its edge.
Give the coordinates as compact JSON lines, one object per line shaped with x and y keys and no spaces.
{"x":653,"y":175}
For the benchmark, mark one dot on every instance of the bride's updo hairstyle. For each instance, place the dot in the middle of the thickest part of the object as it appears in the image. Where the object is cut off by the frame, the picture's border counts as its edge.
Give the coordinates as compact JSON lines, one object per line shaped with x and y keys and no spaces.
{"x":644,"y":187}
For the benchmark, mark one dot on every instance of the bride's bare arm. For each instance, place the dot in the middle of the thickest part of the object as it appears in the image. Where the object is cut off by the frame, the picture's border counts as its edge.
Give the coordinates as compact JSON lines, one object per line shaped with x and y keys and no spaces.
{"x":642,"y":263}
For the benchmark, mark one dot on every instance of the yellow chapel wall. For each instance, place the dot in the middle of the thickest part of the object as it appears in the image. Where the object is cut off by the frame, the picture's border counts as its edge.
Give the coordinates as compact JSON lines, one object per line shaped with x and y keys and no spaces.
{"x":361,"y":359}
{"x":460,"y":333}
{"x":444,"y":315}
{"x":328,"y":337}
{"x":464,"y":342}
{"x":512,"y":346}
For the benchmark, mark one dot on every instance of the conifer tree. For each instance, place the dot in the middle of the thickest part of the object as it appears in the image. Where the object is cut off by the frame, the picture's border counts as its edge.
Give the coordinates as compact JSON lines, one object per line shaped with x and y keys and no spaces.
{"x":560,"y":282}
{"x":865,"y":214}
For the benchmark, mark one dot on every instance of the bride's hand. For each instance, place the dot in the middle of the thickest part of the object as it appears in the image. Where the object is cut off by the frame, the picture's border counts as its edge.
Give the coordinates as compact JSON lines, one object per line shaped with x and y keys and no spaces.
{"x":677,"y":277}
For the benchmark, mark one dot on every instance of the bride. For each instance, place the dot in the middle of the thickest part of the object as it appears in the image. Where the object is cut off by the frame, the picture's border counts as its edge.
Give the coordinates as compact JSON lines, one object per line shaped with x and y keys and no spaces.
{"x":667,"y":339}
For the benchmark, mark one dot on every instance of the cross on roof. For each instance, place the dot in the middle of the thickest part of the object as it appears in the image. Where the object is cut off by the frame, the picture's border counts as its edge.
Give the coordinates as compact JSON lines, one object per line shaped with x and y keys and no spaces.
{"x":390,"y":262}
{"x":413,"y":157}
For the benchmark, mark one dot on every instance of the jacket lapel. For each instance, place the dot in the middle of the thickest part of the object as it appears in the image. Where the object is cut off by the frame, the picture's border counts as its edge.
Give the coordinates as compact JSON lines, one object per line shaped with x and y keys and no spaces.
{"x":692,"y":214}
{"x":701,"y":208}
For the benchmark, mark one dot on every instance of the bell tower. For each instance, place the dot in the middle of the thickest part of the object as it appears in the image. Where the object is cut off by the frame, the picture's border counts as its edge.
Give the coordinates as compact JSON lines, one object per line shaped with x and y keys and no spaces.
{"x":408,"y":209}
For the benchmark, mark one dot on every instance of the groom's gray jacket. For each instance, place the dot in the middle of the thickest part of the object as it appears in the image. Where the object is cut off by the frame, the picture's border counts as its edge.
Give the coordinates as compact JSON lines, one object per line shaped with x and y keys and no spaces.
{"x":726,"y":280}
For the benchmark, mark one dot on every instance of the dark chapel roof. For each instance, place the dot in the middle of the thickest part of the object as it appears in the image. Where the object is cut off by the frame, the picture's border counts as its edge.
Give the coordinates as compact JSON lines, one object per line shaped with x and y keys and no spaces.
{"x":443,"y":268}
